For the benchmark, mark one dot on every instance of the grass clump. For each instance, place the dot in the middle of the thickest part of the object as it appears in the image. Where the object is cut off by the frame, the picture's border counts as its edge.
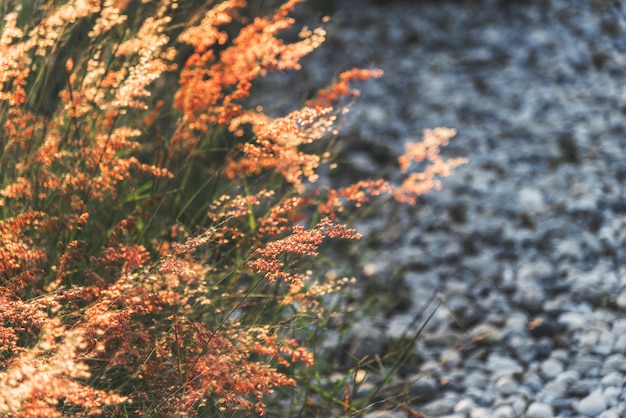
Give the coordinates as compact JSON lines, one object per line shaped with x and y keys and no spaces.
{"x":159,"y":239}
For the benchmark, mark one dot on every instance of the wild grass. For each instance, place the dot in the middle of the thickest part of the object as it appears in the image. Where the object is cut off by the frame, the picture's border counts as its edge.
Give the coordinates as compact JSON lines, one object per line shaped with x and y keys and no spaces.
{"x":162,"y":243}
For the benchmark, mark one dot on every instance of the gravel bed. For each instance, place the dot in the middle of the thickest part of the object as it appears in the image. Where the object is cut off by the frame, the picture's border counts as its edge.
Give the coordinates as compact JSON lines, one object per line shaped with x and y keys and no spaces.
{"x":526,"y":244}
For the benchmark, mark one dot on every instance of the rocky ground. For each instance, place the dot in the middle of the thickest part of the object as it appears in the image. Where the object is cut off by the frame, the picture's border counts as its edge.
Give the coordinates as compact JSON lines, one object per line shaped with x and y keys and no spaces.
{"x":526,"y":244}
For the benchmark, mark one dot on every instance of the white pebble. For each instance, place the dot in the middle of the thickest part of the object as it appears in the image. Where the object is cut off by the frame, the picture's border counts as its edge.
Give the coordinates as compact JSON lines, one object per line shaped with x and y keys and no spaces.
{"x":539,"y":410}
{"x":592,"y":406}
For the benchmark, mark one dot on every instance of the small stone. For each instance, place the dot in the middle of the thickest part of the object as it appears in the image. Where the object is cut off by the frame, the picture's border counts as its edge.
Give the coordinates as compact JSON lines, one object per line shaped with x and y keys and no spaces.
{"x":551,"y":368}
{"x":439,"y":407}
{"x":530,"y":273}
{"x":615,"y":362}
{"x":385,"y":414}
{"x":568,"y":377}
{"x":524,"y":348}
{"x":544,"y":347}
{"x":609,"y":414}
{"x":586,"y":364}
{"x":504,"y":411}
{"x":619,"y":326}
{"x":582,"y":388}
{"x":485,"y":333}
{"x":593,"y":283}
{"x":573,"y":320}
{"x":424,"y":390}
{"x":588,"y":339}
{"x":450,"y":358}
{"x":508,"y":281}
{"x":620,"y":301}
{"x":502,"y":366}
{"x":480,"y":413}
{"x":506,"y":385}
{"x":613,"y":379}
{"x":476,"y":379}
{"x":516,"y":322}
{"x":591,"y":406}
{"x":453,"y":381}
{"x":518,"y":403}
{"x":612,"y":413}
{"x":442,"y":339}
{"x":366,"y":341}
{"x":557,"y":306}
{"x":611,"y":396}
{"x":620,"y":344}
{"x":531,"y":201}
{"x":604,"y":347}
{"x":607,"y":237}
{"x":551,"y":391}
{"x":484,"y":266}
{"x":533,"y":381}
{"x":564,"y":404}
{"x":568,"y":250}
{"x":482,"y":398}
{"x":530,"y":299}
{"x":465,"y":406}
{"x":542,"y":327}
{"x":561,"y":355}
{"x":539,"y":410}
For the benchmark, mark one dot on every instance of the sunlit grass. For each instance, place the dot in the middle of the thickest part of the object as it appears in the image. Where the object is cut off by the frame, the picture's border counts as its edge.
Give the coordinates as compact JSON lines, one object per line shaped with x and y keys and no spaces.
{"x":162,"y":244}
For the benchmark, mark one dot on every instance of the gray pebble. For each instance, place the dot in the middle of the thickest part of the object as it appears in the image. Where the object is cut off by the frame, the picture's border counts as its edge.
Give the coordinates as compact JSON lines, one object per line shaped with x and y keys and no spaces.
{"x":615,"y":362}
{"x":539,"y":410}
{"x":504,"y":411}
{"x":613,"y":379}
{"x":385,"y":414}
{"x":365,"y":341}
{"x":573,"y":320}
{"x":425,"y":389}
{"x":481,"y":413}
{"x":611,"y":395}
{"x":506,"y":386}
{"x":533,"y":381}
{"x":592,"y":405}
{"x":551,"y":368}
{"x":552,"y":391}
{"x":465,"y":406}
{"x":524,"y":348}
{"x":502,"y":366}
{"x":531,"y":201}
{"x":582,"y":388}
{"x":439,"y":407}
{"x":617,"y":412}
